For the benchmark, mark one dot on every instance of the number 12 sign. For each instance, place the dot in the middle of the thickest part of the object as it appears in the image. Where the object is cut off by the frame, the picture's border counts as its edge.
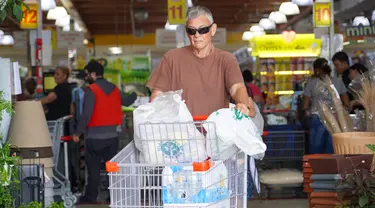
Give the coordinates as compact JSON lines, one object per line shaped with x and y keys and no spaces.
{"x":176,"y":12}
{"x":30,"y":17}
{"x":322,"y":14}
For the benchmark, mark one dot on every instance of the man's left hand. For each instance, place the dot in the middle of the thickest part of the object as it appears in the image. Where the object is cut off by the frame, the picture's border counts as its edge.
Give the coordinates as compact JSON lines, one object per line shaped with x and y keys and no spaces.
{"x":75,"y":138}
{"x":247,"y":108}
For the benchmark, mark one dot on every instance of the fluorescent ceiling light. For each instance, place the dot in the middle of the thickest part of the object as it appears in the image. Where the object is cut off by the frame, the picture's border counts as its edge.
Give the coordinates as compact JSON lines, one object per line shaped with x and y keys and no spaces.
{"x":7,"y":40}
{"x":63,"y":21}
{"x":303,"y":2}
{"x":115,"y":50}
{"x":256,"y":28}
{"x":190,"y":3}
{"x":361,"y":20}
{"x":289,"y":8}
{"x":48,"y":4}
{"x":247,"y":35}
{"x":278,"y":17}
{"x":56,"y":13}
{"x":170,"y":27}
{"x":267,"y":24}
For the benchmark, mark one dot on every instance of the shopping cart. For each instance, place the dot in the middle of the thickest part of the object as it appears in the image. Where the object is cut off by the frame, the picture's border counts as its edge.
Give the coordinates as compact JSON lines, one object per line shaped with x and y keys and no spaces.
{"x":165,"y":182}
{"x":285,"y":149}
{"x":62,"y":184}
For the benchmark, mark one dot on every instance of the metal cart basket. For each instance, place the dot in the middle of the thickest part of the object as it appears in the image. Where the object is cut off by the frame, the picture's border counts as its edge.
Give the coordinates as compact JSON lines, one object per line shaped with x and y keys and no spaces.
{"x":217,"y":182}
{"x":62,"y":184}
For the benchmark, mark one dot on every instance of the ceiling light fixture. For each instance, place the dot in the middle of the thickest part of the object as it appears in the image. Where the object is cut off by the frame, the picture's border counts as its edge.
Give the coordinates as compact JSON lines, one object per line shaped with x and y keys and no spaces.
{"x":361,"y":20}
{"x":63,"y":21}
{"x":7,"y":40}
{"x":115,"y":50}
{"x":267,"y":24}
{"x":256,"y":28}
{"x":278,"y":17}
{"x":289,"y":8}
{"x":170,"y":27}
{"x":56,"y":13}
{"x":48,"y":4}
{"x":247,"y":35}
{"x":303,"y":2}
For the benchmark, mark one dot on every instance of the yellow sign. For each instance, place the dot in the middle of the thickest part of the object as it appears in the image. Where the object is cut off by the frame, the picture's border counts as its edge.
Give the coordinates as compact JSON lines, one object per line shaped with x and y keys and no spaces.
{"x":273,"y":46}
{"x":176,"y":12}
{"x":30,"y":17}
{"x":53,"y":35}
{"x":322,"y":14}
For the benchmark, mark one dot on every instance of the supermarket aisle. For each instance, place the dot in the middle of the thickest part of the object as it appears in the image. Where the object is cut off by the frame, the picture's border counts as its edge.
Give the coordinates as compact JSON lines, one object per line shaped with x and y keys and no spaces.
{"x":300,"y":203}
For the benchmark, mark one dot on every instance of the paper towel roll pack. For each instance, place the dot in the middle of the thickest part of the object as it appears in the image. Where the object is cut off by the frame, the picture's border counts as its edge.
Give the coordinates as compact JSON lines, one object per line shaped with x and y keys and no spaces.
{"x":184,"y":186}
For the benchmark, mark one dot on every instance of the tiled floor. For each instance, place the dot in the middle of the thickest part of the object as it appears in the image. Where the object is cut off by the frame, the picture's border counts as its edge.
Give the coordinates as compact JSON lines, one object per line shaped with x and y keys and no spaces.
{"x":298,"y":203}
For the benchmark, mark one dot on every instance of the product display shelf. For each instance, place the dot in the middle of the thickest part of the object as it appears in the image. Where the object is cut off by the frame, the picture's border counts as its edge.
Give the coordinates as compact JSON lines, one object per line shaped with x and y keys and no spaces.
{"x":281,"y":80}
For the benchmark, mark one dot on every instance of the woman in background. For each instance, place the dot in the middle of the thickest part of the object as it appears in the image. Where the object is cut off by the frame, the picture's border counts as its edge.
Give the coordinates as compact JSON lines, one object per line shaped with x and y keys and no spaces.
{"x":58,"y":101}
{"x":255,"y":90}
{"x":320,"y":141}
{"x":355,"y":71}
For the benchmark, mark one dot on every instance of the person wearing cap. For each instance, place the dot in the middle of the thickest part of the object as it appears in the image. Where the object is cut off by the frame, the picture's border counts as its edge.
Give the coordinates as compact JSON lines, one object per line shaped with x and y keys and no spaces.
{"x":101,"y":114}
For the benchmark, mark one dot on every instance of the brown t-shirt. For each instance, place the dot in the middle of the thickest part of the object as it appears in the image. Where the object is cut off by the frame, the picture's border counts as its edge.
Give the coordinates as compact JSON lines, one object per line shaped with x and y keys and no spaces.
{"x":205,"y":81}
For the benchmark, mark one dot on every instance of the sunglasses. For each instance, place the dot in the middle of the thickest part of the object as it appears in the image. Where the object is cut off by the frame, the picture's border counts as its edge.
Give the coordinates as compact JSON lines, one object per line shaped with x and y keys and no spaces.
{"x":202,"y":31}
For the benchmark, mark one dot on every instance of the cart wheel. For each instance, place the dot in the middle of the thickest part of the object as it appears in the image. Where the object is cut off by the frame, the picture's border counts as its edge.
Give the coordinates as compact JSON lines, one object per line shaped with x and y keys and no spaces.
{"x":68,"y":203}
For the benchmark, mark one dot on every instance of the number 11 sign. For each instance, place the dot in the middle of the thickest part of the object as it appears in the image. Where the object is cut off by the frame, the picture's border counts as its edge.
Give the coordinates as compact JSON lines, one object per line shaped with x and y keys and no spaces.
{"x":176,"y":12}
{"x":322,"y":14}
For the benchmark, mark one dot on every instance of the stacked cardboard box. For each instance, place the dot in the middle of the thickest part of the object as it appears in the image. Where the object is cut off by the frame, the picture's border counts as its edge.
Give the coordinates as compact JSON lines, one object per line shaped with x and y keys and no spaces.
{"x":326,"y":177}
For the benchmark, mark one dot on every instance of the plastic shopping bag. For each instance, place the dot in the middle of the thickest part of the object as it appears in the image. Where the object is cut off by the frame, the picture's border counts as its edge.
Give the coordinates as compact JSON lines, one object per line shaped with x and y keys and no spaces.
{"x":235,"y":128}
{"x":164,"y":131}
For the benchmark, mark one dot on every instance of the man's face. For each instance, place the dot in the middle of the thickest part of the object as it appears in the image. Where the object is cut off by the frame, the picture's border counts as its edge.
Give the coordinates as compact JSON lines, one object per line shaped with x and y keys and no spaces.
{"x":340,"y":66}
{"x":207,"y":30}
{"x":90,"y":77}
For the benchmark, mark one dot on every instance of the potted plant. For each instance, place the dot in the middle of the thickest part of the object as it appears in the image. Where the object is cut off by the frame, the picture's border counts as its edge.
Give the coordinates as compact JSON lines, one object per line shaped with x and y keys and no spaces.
{"x":11,"y":8}
{"x":362,"y":184}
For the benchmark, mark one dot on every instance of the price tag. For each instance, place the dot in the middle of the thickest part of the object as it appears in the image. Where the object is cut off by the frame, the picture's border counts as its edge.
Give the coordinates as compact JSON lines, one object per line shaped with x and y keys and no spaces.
{"x":30,"y":17}
{"x":322,"y":14}
{"x":176,"y":12}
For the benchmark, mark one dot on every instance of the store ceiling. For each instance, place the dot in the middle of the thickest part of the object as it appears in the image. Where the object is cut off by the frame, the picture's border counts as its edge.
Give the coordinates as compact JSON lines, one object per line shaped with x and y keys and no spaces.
{"x":113,"y":16}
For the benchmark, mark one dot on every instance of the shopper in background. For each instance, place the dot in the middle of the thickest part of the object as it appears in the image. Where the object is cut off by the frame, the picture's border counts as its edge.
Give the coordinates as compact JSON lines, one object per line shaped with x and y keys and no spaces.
{"x":341,"y":62}
{"x":28,"y":89}
{"x":320,"y":141}
{"x":356,"y":70}
{"x":208,"y":76}
{"x":100,"y":117}
{"x":58,"y":101}
{"x":255,"y":90}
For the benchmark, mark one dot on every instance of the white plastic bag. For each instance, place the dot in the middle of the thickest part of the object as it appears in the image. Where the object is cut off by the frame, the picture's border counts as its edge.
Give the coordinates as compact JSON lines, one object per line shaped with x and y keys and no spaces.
{"x":164,"y":131}
{"x":234,"y":128}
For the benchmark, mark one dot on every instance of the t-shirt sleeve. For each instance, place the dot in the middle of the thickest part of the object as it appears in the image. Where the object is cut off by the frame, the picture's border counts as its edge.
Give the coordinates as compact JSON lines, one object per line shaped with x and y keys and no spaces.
{"x":161,"y":77}
{"x":308,"y":89}
{"x":233,"y":73}
{"x":341,"y":88}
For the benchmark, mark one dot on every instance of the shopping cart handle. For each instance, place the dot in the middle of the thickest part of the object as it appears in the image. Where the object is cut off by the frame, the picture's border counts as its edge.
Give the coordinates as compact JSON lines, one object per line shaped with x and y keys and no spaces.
{"x":112,"y":167}
{"x":66,"y":138}
{"x":200,"y":118}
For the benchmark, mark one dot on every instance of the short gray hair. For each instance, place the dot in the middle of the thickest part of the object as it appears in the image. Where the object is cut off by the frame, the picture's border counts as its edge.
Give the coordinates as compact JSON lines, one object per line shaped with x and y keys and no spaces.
{"x":196,"y":11}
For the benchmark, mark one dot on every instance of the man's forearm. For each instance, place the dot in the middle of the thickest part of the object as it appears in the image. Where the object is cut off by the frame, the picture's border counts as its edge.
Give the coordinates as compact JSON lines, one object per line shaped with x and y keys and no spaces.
{"x":239,"y":94}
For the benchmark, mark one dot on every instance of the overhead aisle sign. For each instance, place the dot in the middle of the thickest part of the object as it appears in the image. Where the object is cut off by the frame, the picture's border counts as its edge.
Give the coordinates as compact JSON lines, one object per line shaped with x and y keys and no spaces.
{"x":176,"y":12}
{"x":30,"y":17}
{"x":322,"y":14}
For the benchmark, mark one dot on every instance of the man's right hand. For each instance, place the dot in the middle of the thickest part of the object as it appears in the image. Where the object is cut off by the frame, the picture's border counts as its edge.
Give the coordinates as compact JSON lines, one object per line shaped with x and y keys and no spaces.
{"x":75,"y":138}
{"x":154,"y":94}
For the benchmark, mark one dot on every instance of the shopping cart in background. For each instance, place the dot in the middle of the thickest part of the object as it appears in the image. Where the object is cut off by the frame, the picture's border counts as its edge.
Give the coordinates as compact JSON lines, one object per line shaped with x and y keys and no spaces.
{"x":217,"y":182}
{"x":285,"y":149}
{"x":62,"y":184}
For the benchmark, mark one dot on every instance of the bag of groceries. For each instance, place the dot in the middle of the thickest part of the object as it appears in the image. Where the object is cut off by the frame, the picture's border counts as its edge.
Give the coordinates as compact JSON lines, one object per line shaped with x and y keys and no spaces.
{"x":165,"y":133}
